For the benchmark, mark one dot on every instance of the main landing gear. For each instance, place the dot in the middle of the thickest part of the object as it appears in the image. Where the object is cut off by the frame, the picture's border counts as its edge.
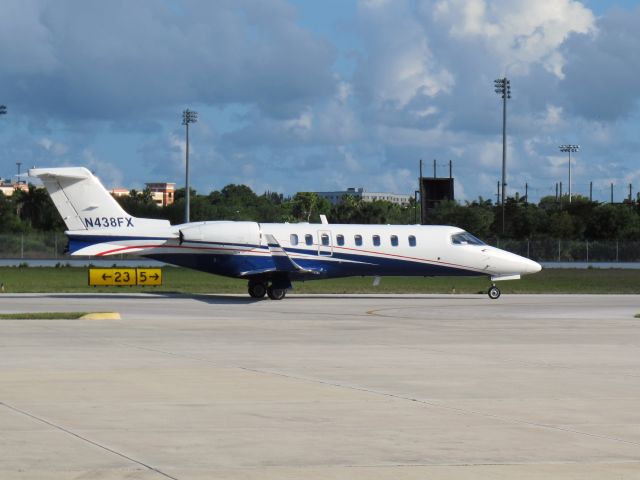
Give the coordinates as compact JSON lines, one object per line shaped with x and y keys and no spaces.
{"x":257,"y":289}
{"x":494,"y":292}
{"x":260,"y":289}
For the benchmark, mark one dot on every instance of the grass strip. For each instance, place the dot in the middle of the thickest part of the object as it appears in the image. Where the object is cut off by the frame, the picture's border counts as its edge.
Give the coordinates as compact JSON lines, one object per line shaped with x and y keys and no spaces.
{"x":42,"y":316}
{"x":181,"y":280}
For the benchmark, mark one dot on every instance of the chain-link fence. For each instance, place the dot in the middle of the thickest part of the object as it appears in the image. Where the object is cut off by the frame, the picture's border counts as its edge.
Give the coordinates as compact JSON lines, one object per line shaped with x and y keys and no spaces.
{"x":33,"y":245}
{"x":52,"y":246}
{"x":573,"y":250}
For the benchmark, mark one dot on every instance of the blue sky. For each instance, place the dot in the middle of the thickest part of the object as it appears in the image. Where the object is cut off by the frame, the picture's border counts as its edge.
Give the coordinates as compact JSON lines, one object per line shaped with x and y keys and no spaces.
{"x":305,"y":95}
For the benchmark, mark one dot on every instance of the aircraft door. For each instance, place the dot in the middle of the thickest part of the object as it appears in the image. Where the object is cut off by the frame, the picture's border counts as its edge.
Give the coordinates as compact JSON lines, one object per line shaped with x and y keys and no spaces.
{"x":325,"y":243}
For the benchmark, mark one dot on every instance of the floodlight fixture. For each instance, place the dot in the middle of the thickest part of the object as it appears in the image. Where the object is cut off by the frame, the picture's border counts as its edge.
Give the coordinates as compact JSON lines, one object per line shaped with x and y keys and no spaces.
{"x":503,"y":88}
{"x":568,"y":148}
{"x":188,"y":116}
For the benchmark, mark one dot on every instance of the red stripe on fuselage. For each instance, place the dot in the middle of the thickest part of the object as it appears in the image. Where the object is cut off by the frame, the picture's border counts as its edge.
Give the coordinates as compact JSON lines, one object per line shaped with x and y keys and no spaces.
{"x":439,"y":262}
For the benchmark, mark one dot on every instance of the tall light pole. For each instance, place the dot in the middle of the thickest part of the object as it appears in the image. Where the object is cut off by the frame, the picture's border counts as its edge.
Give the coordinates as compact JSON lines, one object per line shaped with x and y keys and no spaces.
{"x":188,"y":116}
{"x":569,"y":149}
{"x":503,"y":87}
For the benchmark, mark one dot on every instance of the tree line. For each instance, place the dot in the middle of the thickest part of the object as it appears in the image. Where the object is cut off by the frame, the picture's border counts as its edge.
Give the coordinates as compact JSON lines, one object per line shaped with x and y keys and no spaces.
{"x":580,"y":219}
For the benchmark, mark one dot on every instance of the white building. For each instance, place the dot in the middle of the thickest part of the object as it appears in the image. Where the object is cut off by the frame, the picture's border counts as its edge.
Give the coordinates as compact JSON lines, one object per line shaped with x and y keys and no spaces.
{"x":336,"y":197}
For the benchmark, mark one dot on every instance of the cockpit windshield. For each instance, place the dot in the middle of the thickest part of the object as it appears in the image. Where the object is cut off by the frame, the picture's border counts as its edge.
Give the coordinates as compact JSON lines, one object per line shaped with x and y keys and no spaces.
{"x":465,"y":238}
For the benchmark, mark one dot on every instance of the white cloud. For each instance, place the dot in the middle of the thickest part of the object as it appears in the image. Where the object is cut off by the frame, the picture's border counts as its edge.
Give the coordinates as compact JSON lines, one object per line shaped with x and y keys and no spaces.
{"x":401,"y":65}
{"x":57,"y":149}
{"x":110,"y":175}
{"x":519,"y":32}
{"x":301,"y":123}
{"x":553,"y":116}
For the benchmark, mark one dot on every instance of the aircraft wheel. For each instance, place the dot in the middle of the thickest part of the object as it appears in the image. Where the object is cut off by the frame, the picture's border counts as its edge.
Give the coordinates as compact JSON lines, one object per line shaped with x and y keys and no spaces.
{"x":257,"y":290}
{"x":494,"y":292}
{"x":276,"y":293}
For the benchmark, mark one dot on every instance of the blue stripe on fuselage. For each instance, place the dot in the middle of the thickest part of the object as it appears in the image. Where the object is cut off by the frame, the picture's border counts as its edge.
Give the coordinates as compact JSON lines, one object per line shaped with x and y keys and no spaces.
{"x":330,"y":266}
{"x":233,"y":265}
{"x":77,"y":242}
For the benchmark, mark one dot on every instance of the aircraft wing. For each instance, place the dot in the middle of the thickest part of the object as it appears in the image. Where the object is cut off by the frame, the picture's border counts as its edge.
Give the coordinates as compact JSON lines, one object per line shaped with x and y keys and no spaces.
{"x":283,"y":262}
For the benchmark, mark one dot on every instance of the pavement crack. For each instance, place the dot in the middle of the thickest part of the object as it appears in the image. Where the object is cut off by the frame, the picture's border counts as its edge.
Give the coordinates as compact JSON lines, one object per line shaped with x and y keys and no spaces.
{"x":87,"y":440}
{"x":444,"y":407}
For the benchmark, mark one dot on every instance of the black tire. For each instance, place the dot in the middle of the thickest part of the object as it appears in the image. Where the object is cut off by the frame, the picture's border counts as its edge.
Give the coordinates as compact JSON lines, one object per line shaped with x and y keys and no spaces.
{"x":494,"y":293}
{"x":276,"y":293}
{"x":257,"y":290}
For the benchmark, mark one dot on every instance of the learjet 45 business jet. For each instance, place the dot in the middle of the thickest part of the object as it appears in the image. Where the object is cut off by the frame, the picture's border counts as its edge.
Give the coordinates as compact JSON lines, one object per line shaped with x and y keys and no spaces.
{"x":271,"y":255}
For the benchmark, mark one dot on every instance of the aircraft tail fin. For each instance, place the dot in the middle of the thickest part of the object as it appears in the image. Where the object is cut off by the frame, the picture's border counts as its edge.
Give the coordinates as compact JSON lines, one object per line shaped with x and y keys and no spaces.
{"x":85,"y":204}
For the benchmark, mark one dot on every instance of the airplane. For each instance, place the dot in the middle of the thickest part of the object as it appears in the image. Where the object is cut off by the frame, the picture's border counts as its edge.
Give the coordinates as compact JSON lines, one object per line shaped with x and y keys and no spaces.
{"x":271,"y":255}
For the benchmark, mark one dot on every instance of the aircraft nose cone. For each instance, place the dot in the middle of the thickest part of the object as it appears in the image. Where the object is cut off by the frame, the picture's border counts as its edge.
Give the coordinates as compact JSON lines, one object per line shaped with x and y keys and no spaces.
{"x":532,"y":267}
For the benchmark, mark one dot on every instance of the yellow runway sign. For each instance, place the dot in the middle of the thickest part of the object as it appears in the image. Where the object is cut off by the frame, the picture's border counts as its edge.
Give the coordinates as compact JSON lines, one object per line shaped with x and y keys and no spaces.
{"x":123,"y":277}
{"x":149,"y":276}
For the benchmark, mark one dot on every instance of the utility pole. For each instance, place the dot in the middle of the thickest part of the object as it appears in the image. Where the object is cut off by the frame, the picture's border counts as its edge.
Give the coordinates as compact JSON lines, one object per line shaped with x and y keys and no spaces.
{"x":569,"y":149}
{"x":503,"y":87}
{"x":188,"y":116}
{"x":591,"y":191}
{"x":611,"y":192}
{"x":18,"y":177}
{"x":421,"y":188}
{"x":560,"y":197}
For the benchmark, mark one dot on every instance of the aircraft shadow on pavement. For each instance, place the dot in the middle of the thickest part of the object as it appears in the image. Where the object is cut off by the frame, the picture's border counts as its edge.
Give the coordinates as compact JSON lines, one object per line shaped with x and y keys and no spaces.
{"x":231,"y":299}
{"x":154,"y":296}
{"x":227,"y":299}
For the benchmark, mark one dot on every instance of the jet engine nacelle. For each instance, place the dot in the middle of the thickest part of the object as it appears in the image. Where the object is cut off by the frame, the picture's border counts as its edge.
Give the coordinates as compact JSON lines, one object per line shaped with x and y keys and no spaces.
{"x":236,"y":233}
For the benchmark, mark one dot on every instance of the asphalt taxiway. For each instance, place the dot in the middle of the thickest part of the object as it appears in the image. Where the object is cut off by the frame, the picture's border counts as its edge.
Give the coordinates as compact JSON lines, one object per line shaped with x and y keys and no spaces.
{"x":317,"y":387}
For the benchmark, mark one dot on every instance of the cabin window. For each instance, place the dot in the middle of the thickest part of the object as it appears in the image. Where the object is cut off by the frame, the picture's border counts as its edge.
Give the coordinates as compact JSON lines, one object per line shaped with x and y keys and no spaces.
{"x":376,"y":240}
{"x":308,"y":239}
{"x":412,"y":241}
{"x":464,"y":238}
{"x":340,"y":239}
{"x":394,"y":240}
{"x":358,"y":240}
{"x":324,"y":238}
{"x":293,"y":239}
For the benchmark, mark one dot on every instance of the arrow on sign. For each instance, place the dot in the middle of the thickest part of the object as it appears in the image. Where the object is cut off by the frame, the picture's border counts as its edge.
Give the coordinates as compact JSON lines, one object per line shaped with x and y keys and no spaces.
{"x":154,"y":276}
{"x":105,"y":276}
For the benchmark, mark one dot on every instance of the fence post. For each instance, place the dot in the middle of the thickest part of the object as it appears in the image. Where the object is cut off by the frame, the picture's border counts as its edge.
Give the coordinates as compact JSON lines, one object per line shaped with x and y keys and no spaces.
{"x":587,"y":251}
{"x":55,"y":245}
{"x":617,"y":257}
{"x":22,"y":245}
{"x":528,"y":252}
{"x":559,"y":249}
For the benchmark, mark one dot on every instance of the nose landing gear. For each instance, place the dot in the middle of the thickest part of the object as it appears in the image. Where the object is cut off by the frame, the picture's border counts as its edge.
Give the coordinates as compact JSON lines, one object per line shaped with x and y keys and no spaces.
{"x":494,"y":292}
